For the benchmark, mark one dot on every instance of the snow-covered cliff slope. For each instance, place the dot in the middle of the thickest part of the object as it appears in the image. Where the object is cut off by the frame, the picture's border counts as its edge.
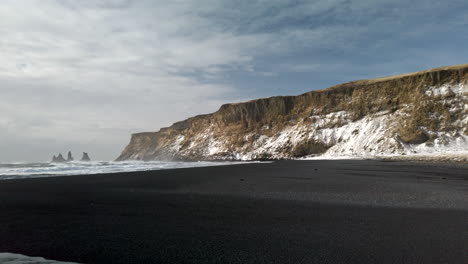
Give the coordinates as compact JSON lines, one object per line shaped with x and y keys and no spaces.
{"x":418,"y":113}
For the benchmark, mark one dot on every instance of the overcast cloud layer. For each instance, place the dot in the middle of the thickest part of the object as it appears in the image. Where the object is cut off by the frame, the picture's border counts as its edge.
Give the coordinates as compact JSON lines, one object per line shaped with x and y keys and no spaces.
{"x":84,"y":75}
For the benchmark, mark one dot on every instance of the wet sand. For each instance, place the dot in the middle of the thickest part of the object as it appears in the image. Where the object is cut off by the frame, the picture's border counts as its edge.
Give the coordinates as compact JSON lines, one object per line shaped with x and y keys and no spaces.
{"x":282,"y":212}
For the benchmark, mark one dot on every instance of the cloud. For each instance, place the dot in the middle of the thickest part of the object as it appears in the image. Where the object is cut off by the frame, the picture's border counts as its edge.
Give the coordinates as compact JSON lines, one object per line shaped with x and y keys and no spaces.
{"x":78,"y":73}
{"x":85,"y":74}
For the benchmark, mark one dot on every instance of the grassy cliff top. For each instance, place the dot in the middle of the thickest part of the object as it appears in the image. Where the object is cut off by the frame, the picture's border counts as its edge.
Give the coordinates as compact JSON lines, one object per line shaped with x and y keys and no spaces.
{"x":375,"y":80}
{"x":393,"y":77}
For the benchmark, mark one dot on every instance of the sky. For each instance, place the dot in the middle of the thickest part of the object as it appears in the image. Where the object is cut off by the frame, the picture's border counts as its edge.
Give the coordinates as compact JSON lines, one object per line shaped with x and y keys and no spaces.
{"x":84,"y":75}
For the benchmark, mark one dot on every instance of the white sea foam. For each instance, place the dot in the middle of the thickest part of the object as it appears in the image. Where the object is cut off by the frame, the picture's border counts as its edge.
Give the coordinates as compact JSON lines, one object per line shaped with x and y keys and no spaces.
{"x":32,"y":170}
{"x":10,"y":258}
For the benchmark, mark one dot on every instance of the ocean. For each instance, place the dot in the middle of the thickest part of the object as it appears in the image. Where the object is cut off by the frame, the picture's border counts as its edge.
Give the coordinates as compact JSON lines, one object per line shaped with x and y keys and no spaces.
{"x":18,"y":170}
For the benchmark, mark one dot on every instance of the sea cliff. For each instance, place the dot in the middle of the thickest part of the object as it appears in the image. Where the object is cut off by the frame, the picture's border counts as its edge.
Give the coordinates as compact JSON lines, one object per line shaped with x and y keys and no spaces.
{"x":418,"y":113}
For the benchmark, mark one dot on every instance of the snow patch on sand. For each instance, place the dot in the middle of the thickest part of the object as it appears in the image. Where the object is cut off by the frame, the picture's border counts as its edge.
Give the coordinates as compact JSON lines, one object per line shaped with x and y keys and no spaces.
{"x":444,"y":144}
{"x":10,"y":258}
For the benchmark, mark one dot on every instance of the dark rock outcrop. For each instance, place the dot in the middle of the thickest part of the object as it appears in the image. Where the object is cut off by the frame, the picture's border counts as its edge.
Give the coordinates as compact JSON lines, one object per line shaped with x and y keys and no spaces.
{"x":85,"y":157}
{"x":70,"y":157}
{"x":58,"y":158}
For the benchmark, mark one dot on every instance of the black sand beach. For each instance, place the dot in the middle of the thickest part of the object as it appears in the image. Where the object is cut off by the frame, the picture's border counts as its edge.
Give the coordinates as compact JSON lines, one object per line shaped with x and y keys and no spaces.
{"x":282,"y":212}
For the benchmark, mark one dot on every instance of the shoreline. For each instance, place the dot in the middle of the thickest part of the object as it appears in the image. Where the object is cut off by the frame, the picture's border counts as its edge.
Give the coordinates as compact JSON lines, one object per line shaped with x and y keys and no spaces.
{"x":457,"y":159}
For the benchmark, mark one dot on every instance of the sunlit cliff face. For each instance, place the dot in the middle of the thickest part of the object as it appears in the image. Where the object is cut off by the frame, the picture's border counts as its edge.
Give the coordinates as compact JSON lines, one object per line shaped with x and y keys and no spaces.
{"x":425,"y":112}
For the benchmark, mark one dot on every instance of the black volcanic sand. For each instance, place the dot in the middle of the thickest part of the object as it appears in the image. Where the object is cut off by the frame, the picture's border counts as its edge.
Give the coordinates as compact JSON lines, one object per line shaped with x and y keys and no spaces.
{"x":281,"y":212}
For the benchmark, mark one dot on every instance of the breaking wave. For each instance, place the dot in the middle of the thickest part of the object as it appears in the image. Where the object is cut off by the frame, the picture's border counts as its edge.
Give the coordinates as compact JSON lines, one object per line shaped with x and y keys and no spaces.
{"x":33,"y":170}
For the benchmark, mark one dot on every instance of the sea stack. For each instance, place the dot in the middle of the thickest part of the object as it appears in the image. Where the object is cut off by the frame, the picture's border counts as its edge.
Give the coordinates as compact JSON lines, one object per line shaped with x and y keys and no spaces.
{"x":70,"y":157}
{"x":85,"y":157}
{"x":58,"y":158}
